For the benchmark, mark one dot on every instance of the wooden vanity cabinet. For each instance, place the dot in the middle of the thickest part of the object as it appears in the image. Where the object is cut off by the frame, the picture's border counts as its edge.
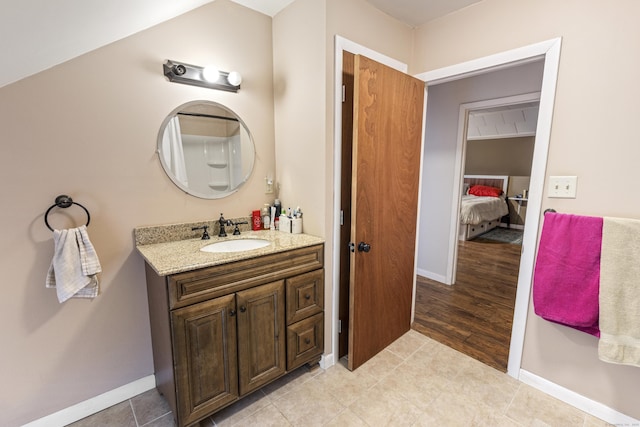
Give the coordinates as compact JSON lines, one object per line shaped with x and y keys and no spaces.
{"x":222,"y":332}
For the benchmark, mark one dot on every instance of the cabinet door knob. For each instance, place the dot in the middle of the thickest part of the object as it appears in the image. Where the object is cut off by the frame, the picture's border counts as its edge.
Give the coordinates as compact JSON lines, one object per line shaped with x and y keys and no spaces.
{"x":307,"y":296}
{"x":307,"y":340}
{"x":232,"y":312}
{"x":243,"y":309}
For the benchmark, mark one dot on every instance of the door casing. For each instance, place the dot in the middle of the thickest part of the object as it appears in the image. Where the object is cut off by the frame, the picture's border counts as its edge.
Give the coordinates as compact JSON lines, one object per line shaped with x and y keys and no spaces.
{"x":460,"y":162}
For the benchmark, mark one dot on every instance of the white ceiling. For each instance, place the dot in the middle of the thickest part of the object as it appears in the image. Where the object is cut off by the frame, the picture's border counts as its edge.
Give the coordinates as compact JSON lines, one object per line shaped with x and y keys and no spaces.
{"x":418,"y":12}
{"x":39,"y":34}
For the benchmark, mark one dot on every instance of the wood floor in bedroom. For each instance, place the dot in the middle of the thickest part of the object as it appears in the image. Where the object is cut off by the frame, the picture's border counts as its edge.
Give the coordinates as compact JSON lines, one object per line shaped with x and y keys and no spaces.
{"x":475,"y":315}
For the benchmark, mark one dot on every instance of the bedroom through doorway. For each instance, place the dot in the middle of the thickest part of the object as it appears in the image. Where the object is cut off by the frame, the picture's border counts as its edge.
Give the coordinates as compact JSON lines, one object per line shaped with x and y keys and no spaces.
{"x":474,"y":315}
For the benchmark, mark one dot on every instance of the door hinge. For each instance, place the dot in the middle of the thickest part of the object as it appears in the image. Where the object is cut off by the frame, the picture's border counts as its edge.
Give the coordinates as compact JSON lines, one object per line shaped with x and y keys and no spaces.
{"x":341,"y":217}
{"x":344,"y":93}
{"x":339,"y":326}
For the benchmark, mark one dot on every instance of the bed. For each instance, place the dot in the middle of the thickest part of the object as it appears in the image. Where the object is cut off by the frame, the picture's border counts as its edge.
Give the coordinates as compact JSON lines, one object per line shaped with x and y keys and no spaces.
{"x":482,"y":212}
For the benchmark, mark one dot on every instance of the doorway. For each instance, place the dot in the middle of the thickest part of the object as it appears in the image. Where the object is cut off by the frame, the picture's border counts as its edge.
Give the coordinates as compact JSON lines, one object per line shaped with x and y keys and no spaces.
{"x":474,"y":313}
{"x":550,"y":52}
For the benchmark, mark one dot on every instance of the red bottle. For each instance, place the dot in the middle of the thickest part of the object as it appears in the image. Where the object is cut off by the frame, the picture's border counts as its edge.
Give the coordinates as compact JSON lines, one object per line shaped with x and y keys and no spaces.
{"x":256,"y":221}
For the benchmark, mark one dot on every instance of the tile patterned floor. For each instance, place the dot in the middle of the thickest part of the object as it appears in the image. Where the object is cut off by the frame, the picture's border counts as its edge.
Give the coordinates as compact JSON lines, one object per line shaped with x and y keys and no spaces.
{"x":416,"y":381}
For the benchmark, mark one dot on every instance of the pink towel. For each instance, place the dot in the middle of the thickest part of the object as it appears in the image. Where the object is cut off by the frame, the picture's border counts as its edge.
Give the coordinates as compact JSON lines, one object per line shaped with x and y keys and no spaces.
{"x":566,"y":278}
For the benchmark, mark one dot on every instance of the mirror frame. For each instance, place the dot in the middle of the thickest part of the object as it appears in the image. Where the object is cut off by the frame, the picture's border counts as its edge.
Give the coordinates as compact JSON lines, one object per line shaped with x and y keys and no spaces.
{"x":171,"y":175}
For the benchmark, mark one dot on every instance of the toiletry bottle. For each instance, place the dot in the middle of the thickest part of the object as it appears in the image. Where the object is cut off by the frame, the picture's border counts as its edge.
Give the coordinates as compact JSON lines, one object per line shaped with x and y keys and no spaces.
{"x":272,"y":225}
{"x":266,"y":217}
{"x":276,"y":203}
{"x":276,"y":220}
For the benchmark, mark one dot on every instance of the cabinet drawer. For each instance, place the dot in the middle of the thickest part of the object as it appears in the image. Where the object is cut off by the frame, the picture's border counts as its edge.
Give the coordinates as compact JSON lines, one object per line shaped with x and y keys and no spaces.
{"x":206,"y":283}
{"x":305,"y":295}
{"x":305,"y":341}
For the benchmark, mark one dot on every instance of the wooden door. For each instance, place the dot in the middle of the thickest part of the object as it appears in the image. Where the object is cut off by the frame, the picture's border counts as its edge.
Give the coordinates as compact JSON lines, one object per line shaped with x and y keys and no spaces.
{"x":261,"y":335}
{"x":387,"y":145}
{"x":205,"y":358}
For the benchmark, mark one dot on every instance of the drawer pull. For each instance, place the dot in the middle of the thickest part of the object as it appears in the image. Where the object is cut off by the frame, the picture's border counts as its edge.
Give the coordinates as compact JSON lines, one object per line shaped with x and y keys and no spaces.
{"x":307,"y":340}
{"x":307,"y":296}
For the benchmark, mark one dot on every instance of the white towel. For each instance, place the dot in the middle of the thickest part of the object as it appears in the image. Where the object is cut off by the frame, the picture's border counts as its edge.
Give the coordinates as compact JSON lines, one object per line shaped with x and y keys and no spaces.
{"x":75,"y":266}
{"x":620,"y":292}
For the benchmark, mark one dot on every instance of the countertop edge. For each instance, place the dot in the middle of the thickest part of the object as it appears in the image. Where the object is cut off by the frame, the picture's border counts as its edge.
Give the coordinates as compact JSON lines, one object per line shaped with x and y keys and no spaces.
{"x":184,"y":255}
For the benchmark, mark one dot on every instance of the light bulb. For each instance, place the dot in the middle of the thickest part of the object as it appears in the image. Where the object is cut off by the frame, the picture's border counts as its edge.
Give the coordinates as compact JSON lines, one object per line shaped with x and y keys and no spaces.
{"x":234,"y":78}
{"x":210,"y":74}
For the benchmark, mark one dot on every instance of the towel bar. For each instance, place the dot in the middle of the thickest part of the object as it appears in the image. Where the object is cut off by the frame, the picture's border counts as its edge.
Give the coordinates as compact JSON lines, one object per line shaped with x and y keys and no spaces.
{"x":63,"y":201}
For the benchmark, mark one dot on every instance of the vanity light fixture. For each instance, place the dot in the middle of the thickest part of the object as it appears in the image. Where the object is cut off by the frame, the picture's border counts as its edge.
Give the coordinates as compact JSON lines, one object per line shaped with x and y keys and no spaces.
{"x":209,"y":77}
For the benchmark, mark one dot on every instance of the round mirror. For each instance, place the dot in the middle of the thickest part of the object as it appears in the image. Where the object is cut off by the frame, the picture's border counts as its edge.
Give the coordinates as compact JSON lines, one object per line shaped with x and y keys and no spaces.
{"x":206,"y":149}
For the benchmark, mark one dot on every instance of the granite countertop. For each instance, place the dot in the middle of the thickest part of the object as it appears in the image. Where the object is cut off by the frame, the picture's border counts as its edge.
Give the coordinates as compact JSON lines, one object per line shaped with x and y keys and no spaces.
{"x":184,"y":255}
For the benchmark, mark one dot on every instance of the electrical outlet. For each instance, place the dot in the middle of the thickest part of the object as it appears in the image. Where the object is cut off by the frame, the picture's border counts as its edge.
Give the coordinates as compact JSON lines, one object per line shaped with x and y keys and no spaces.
{"x":563,"y":187}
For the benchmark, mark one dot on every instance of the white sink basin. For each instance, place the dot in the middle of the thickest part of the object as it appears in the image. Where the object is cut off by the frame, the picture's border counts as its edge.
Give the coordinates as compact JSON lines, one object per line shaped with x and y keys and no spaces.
{"x":238,"y":245}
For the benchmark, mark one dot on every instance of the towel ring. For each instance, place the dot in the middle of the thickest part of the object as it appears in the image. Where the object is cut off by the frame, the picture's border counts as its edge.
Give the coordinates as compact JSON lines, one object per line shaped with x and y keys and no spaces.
{"x":546,"y":211}
{"x":64,"y":202}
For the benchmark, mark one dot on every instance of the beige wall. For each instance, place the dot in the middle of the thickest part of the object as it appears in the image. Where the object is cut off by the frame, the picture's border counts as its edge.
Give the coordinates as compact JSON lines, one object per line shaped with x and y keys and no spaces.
{"x":88,"y":128}
{"x":505,"y":156}
{"x":596,"y":95}
{"x":299,"y":88}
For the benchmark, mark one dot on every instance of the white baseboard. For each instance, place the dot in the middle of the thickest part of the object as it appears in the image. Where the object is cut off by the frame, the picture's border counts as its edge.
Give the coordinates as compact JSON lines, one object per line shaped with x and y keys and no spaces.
{"x":95,"y":404}
{"x":572,"y":398}
{"x":431,"y":275}
{"x":327,"y":360}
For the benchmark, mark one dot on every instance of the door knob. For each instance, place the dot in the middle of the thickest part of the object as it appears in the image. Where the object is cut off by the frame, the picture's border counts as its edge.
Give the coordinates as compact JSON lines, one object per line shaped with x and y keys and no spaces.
{"x":364,"y":247}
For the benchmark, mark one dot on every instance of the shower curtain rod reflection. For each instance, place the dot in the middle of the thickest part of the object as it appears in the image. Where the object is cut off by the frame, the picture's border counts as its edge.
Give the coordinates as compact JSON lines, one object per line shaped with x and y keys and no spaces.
{"x":209,"y":116}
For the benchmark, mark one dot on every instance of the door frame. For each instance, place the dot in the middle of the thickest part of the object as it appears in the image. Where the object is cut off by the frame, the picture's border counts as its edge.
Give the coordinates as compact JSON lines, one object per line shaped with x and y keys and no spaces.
{"x":461,"y":154}
{"x":548,"y":50}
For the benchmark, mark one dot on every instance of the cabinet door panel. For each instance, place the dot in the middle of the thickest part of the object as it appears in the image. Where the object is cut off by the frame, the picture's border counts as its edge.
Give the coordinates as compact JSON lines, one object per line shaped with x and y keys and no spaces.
{"x":205,"y":357}
{"x":261,"y":337}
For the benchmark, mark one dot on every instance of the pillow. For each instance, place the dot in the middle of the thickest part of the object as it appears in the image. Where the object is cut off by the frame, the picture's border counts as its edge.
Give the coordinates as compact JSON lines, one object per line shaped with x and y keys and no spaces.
{"x":485,"y":190}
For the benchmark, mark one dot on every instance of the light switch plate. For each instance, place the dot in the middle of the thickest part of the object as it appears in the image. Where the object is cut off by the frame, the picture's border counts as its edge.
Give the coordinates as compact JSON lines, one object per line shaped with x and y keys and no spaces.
{"x":563,"y":187}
